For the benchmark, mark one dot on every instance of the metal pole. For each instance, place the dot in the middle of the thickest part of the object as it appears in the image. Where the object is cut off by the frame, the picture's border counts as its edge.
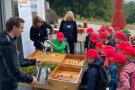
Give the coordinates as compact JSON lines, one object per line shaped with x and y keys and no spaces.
{"x":45,"y":11}
{"x":2,"y":18}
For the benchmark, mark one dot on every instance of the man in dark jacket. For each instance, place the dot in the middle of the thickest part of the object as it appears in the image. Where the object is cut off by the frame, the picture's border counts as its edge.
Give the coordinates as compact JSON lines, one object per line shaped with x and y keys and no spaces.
{"x":94,"y":76}
{"x":10,"y":74}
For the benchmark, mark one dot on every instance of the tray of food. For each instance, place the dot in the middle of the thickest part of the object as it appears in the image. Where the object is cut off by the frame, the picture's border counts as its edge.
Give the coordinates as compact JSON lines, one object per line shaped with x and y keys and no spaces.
{"x":75,"y":60}
{"x":54,"y":57}
{"x":66,"y":73}
{"x":48,"y":56}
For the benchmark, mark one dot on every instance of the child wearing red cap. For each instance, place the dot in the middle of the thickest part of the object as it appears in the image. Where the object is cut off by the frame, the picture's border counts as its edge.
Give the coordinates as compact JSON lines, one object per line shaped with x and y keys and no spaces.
{"x":89,"y":31}
{"x":59,"y":44}
{"x":128,"y":71}
{"x":119,"y":37}
{"x":91,"y":41}
{"x":111,"y":35}
{"x":105,"y":40}
{"x":117,"y":29}
{"x":112,"y":69}
{"x":95,"y":81}
{"x":108,"y":53}
{"x":129,"y":52}
{"x":122,"y":45}
{"x":87,"y":38}
{"x":105,"y":49}
{"x":123,"y":81}
{"x":102,"y":29}
{"x":126,"y":77}
{"x":119,"y":59}
{"x":99,"y":46}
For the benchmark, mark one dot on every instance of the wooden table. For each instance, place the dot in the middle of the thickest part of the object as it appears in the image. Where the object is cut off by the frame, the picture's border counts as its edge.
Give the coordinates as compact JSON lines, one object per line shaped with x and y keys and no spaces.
{"x":59,"y":84}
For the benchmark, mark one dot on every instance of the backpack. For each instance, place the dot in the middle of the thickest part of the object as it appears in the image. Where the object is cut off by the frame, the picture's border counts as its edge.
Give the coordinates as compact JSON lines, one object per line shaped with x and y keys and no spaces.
{"x":132,"y":80}
{"x":103,"y":77}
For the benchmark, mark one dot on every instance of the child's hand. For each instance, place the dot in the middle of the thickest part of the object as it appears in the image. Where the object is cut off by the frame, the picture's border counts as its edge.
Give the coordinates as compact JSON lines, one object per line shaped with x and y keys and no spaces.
{"x":51,"y":44}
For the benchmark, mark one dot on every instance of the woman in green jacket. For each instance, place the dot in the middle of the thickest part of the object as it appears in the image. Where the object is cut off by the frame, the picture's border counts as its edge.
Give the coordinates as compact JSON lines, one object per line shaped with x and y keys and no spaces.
{"x":59,"y":44}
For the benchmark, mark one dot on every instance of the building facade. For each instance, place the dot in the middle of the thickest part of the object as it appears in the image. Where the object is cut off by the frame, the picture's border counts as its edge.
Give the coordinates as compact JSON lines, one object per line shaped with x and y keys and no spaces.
{"x":10,"y":8}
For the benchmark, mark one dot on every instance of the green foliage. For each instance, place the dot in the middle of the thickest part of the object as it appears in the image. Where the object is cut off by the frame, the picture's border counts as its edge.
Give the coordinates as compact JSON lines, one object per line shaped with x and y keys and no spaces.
{"x":129,"y":11}
{"x":98,"y":9}
{"x":126,"y":31}
{"x":43,"y":64}
{"x":53,"y":66}
{"x":31,"y":70}
{"x":50,"y":65}
{"x":102,"y":9}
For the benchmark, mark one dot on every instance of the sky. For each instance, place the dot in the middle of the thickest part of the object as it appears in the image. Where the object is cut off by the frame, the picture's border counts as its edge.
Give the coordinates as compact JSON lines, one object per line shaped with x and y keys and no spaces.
{"x":129,"y":0}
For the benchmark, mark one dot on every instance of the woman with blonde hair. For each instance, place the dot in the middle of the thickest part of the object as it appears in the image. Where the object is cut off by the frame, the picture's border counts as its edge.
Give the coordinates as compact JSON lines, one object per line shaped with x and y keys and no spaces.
{"x":38,"y":32}
{"x":68,"y":27}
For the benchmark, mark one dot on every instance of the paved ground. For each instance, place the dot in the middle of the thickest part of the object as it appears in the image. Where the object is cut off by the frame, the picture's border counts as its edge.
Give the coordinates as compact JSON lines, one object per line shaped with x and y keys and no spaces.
{"x":96,"y":27}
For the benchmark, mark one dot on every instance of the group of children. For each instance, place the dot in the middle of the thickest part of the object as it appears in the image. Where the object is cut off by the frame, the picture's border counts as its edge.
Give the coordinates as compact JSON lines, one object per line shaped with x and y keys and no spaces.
{"x":109,"y":49}
{"x":110,"y":57}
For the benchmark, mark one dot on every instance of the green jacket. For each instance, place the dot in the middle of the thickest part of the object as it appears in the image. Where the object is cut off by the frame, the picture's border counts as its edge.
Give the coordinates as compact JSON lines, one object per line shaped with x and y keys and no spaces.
{"x":59,"y":47}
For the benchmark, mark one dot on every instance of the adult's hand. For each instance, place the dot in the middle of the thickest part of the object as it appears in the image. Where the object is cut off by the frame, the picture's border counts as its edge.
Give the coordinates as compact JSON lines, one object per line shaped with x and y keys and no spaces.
{"x":34,"y":82}
{"x":38,"y":62}
{"x":42,"y":44}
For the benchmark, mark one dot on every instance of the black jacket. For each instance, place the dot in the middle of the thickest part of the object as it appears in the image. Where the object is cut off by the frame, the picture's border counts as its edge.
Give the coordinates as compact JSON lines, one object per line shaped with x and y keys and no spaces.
{"x":27,"y":62}
{"x":69,"y":29}
{"x":88,"y":43}
{"x":93,"y":76}
{"x":10,"y":69}
{"x":40,"y":34}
